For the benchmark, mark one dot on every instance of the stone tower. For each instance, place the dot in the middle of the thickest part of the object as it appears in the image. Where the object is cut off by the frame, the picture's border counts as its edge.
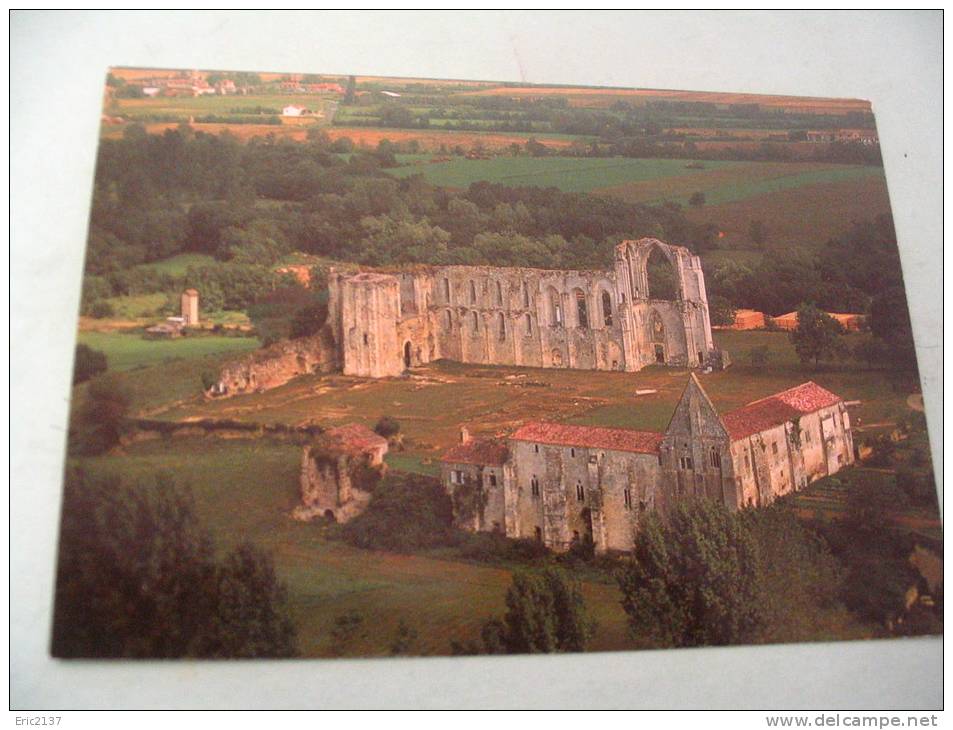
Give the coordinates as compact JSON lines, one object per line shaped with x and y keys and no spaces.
{"x":190,"y":307}
{"x":369,"y":311}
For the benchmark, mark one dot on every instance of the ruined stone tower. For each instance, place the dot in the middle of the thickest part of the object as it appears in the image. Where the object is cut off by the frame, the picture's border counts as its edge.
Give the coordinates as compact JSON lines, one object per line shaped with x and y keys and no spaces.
{"x":190,"y":307}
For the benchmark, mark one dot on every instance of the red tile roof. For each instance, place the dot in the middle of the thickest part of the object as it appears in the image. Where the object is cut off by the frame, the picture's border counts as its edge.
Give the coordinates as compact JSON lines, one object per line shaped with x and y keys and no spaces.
{"x":477,"y":451}
{"x":777,"y":409}
{"x":356,"y":436}
{"x":613,"y":439}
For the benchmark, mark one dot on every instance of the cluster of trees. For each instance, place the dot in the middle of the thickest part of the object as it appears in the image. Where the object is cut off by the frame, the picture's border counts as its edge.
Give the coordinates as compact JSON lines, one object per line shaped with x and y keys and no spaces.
{"x":158,"y":195}
{"x":858,"y":272}
{"x":138,"y":577}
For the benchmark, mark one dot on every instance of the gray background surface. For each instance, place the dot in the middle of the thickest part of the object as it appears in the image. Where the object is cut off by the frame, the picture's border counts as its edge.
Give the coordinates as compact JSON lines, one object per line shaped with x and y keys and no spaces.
{"x":58,"y":65}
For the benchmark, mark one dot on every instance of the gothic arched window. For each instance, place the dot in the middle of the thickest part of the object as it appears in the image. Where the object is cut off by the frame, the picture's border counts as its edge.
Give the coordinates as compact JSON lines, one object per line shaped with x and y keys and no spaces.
{"x":606,"y":308}
{"x":582,"y":309}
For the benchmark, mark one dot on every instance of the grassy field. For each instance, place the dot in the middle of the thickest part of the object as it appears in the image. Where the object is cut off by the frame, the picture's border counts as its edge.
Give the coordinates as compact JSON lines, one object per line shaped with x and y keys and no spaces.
{"x":494,"y":400}
{"x":805,"y":215}
{"x":570,"y":174}
{"x":245,"y":490}
{"x":646,"y":180}
{"x":129,"y":351}
{"x":186,"y":106}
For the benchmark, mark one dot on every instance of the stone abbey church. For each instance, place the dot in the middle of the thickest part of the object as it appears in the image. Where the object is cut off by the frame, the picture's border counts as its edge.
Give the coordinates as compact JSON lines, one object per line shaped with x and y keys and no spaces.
{"x":384,"y":323}
{"x":561,"y":483}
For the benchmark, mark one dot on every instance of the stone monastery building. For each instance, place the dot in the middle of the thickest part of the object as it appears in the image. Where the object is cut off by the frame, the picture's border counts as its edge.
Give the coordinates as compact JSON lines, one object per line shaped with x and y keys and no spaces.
{"x":385,"y":323}
{"x":560,"y":483}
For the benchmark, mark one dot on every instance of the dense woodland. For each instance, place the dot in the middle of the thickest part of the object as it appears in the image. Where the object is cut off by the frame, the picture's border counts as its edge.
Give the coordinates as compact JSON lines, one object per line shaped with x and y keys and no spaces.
{"x":250,"y":205}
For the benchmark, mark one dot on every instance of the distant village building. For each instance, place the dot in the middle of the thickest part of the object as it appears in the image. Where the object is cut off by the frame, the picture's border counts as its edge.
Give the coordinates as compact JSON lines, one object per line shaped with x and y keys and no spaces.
{"x":865,"y":137}
{"x":334,"y":470}
{"x":293,"y":110}
{"x":747,"y":319}
{"x":561,"y":484}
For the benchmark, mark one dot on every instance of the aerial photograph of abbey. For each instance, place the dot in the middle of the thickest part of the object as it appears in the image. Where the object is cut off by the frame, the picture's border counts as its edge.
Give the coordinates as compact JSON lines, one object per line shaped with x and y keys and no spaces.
{"x":381,"y":367}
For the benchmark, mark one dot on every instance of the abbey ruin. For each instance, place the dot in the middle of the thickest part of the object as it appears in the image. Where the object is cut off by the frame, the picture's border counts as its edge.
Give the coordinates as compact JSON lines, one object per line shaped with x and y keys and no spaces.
{"x":385,"y":323}
{"x":561,"y":484}
{"x":381,"y":324}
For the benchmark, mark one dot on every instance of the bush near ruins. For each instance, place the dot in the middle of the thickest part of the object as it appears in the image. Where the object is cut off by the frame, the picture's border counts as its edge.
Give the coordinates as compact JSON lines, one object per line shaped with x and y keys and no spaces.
{"x":407,"y":512}
{"x":387,"y":426}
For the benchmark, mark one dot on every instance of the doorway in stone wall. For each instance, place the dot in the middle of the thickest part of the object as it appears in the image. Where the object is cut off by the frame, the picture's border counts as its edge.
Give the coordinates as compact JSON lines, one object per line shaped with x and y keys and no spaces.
{"x":660,"y":354}
{"x":407,"y":355}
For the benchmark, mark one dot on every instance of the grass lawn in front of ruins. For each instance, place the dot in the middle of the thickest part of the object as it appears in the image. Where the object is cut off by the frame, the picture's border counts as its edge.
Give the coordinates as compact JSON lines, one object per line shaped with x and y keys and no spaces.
{"x":494,"y":400}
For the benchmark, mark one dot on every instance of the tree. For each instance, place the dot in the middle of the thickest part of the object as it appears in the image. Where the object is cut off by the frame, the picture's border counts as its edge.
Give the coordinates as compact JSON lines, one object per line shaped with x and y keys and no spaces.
{"x":101,"y":418}
{"x":88,"y":363}
{"x":694,"y":580}
{"x":137,"y":577}
{"x":697,"y":199}
{"x":817,"y":335}
{"x":545,"y":613}
{"x":721,"y":310}
{"x":890,"y":322}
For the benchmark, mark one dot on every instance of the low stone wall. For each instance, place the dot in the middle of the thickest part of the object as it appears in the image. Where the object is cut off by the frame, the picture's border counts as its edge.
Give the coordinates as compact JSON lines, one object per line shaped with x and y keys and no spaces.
{"x":276,"y":364}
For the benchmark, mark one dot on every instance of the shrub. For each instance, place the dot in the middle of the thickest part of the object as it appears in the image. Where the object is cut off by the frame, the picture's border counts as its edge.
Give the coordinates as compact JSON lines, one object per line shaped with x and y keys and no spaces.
{"x":101,"y":309}
{"x":387,"y":426}
{"x":406,"y":512}
{"x":88,"y":363}
{"x":208,"y":379}
{"x":496,"y":547}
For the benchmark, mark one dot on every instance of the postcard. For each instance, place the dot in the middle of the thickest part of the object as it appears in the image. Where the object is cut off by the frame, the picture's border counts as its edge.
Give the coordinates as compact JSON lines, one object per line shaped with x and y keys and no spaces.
{"x":381,"y":367}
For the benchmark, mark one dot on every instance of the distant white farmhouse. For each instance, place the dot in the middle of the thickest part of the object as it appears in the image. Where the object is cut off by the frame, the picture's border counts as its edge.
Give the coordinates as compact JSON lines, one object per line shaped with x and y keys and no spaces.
{"x":293,"y":111}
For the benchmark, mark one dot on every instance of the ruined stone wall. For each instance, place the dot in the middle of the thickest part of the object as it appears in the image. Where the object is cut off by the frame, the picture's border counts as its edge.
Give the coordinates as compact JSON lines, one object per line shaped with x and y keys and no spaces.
{"x":685,"y":333}
{"x":277,"y":364}
{"x":587,"y":320}
{"x":326,"y":486}
{"x":530,"y":317}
